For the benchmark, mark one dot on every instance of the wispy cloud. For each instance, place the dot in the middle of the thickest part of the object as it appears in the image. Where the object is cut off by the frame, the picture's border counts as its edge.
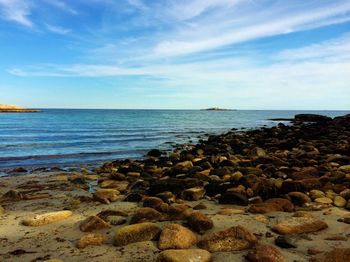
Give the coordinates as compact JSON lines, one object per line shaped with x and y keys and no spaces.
{"x":17,"y":11}
{"x":57,"y":29}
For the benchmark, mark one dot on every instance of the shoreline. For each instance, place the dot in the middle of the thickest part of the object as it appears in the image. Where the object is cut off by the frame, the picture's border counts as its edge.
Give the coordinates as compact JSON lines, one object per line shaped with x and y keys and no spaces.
{"x":255,"y":179}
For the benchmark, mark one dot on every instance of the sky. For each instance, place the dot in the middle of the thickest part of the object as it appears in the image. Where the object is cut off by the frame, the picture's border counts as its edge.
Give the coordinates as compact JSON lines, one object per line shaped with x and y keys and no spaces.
{"x":175,"y":54}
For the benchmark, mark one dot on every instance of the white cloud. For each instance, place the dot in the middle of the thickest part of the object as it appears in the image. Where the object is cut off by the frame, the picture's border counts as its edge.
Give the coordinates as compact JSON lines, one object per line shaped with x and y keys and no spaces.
{"x":57,"y":29}
{"x":17,"y":11}
{"x":233,"y":25}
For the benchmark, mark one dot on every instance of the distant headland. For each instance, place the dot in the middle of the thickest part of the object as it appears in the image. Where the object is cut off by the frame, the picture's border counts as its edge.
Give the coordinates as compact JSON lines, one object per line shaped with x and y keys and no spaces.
{"x":218,"y":109}
{"x":16,"y":109}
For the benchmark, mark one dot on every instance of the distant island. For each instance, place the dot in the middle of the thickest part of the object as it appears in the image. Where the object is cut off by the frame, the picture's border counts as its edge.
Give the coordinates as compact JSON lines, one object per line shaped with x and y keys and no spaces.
{"x":16,"y":109}
{"x":218,"y":109}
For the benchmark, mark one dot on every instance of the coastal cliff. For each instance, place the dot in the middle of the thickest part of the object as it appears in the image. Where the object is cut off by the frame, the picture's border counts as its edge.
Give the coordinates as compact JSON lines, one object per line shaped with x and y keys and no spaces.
{"x":16,"y":109}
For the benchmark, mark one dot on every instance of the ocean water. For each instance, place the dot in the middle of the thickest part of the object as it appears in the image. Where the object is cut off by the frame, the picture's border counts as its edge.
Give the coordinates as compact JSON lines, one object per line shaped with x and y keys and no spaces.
{"x":61,"y":137}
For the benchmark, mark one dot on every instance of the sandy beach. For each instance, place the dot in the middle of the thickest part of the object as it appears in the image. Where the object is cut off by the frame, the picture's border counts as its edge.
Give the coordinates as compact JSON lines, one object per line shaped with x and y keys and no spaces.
{"x":307,"y":202}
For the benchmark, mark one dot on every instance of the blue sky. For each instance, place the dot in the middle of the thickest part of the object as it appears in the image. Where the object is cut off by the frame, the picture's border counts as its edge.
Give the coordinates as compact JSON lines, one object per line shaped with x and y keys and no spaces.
{"x":244,"y":54}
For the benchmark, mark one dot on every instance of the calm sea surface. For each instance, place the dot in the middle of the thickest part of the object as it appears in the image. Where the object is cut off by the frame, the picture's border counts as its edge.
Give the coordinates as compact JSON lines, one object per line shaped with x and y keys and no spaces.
{"x":65,"y":136}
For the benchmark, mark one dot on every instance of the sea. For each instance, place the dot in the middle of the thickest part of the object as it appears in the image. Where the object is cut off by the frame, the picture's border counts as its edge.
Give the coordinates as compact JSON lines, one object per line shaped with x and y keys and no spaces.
{"x":68,"y":137}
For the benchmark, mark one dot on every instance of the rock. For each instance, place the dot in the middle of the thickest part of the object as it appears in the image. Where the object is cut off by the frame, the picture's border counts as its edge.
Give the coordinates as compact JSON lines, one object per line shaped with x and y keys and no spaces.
{"x":136,"y":233}
{"x":231,"y":239}
{"x":298,"y":225}
{"x":262,"y":219}
{"x":92,"y":223}
{"x":199,"y":222}
{"x":154,"y":153}
{"x":312,"y":118}
{"x":193,"y":194}
{"x":153,"y":202}
{"x":344,"y":220}
{"x":188,"y":255}
{"x":106,"y":195}
{"x":116,"y":220}
{"x":299,"y":198}
{"x":47,"y":218}
{"x":258,"y":152}
{"x":286,"y":241}
{"x":336,"y":255}
{"x":345,"y":168}
{"x":109,"y":212}
{"x":184,"y":165}
{"x":175,"y":236}
{"x":91,"y":239}
{"x":316,"y":194}
{"x":339,"y":201}
{"x":233,"y":198}
{"x":2,"y":210}
{"x":146,"y":214}
{"x":265,"y":253}
{"x":345,"y":194}
{"x":133,"y":174}
{"x":323,"y":200}
{"x":178,"y":212}
{"x":120,"y":186}
{"x":272,"y":205}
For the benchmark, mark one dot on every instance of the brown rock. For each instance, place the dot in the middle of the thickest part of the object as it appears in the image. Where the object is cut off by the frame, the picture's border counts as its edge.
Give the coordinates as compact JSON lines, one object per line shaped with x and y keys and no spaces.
{"x":265,"y":253}
{"x":178,"y":212}
{"x":92,"y":223}
{"x":298,"y":225}
{"x":153,"y":202}
{"x":323,"y":200}
{"x":117,"y":185}
{"x":299,"y":198}
{"x":336,"y":255}
{"x":2,"y":210}
{"x":187,"y":255}
{"x":231,"y":239}
{"x":47,"y":218}
{"x":91,"y":239}
{"x":193,"y":194}
{"x":106,"y":195}
{"x":12,"y":195}
{"x":272,"y":205}
{"x":199,"y":222}
{"x":146,"y":214}
{"x":339,"y":201}
{"x":136,"y":233}
{"x":175,"y":236}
